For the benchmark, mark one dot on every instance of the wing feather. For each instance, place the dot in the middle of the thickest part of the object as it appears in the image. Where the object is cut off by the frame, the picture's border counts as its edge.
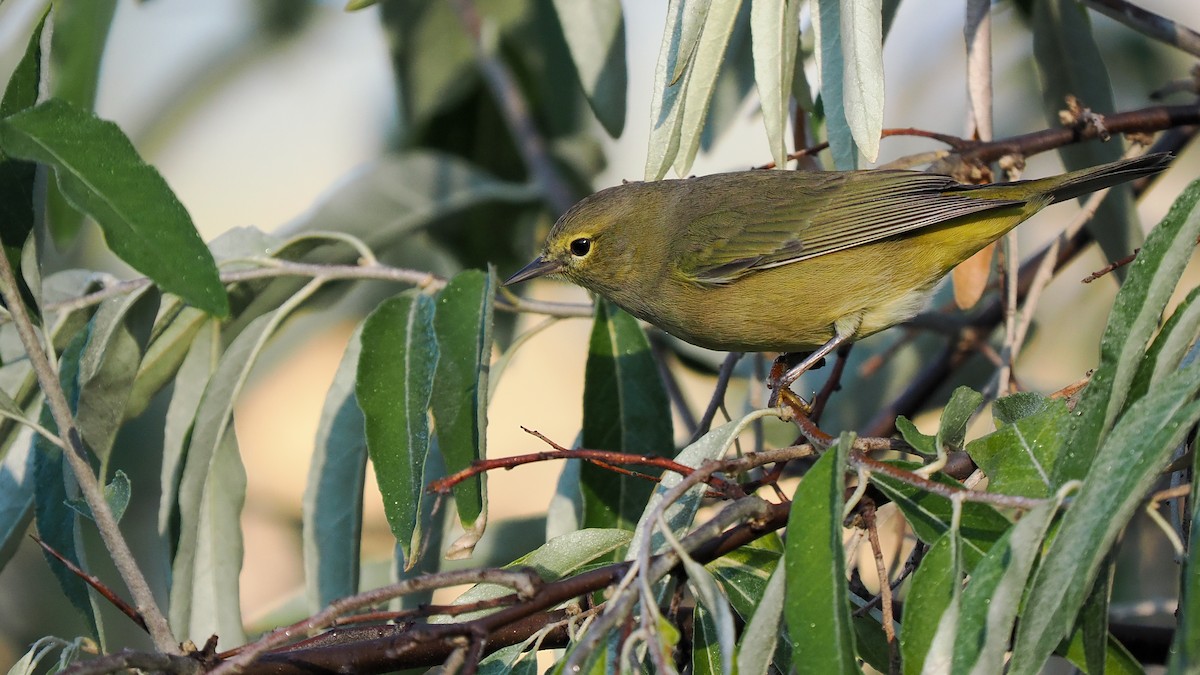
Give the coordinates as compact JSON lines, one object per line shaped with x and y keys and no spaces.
{"x":782,"y":217}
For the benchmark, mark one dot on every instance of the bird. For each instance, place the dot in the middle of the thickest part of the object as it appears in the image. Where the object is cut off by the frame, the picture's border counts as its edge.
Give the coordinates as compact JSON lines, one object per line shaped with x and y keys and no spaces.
{"x":792,"y":261}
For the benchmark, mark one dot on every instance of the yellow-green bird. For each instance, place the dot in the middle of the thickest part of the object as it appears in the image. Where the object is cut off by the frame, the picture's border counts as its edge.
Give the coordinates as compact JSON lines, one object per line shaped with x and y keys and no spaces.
{"x":792,"y":261}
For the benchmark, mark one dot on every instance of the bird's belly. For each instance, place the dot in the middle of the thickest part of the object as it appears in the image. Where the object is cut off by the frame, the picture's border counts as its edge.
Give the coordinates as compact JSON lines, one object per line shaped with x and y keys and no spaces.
{"x":793,"y":308}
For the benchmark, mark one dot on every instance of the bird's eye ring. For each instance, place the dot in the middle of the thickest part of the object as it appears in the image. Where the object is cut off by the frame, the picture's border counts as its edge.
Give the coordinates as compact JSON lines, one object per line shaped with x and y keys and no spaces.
{"x":580,"y":247}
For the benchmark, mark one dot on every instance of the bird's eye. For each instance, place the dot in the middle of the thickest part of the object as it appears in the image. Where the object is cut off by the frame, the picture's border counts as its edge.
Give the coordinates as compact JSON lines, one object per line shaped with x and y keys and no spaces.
{"x":580,"y":247}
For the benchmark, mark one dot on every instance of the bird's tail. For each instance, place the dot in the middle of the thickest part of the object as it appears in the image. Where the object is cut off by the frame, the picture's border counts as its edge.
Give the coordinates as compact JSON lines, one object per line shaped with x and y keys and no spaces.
{"x":1078,"y":183}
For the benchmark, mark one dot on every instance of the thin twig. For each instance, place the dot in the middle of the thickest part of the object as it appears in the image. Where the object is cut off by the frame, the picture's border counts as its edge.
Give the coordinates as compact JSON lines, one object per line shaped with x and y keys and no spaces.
{"x":885,"y":587}
{"x":718,"y":395}
{"x":1149,"y":24}
{"x":77,"y":458}
{"x":525,"y":581}
{"x":504,"y":89}
{"x":94,"y":581}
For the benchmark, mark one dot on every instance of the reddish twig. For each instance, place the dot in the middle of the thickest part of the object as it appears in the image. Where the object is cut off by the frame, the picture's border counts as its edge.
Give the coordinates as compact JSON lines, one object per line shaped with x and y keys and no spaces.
{"x":867,"y":513}
{"x":605,"y":458}
{"x":97,"y":585}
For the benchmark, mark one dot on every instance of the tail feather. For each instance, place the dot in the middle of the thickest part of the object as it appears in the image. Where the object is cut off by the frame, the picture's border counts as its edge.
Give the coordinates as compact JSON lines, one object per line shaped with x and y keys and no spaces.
{"x":1079,"y":183}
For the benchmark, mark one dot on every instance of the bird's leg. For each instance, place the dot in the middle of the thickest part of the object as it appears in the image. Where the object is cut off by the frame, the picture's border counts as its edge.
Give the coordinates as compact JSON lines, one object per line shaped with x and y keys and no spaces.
{"x":781,"y":382}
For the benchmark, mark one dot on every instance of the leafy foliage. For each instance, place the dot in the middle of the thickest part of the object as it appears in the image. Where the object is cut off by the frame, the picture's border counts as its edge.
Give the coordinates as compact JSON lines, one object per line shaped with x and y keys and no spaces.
{"x":658,"y":552}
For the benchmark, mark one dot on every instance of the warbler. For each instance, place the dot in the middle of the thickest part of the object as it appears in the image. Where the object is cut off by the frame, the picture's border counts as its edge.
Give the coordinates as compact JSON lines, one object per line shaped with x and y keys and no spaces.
{"x":792,"y":261}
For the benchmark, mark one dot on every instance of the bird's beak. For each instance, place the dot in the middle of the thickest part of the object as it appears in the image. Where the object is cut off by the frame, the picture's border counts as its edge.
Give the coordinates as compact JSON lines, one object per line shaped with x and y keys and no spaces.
{"x":538,"y":268}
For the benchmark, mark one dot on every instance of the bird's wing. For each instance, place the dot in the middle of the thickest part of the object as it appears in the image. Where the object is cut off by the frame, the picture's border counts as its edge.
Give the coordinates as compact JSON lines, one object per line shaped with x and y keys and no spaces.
{"x":777,"y":219}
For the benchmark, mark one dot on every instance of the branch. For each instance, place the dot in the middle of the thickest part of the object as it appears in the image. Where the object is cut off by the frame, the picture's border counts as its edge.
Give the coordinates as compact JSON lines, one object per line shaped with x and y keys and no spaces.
{"x":76,"y":456}
{"x":1149,"y":24}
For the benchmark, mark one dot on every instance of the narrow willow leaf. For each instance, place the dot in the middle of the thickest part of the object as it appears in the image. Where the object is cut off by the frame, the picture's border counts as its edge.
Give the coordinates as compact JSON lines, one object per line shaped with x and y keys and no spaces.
{"x":1135,"y":315}
{"x":1173,"y":341}
{"x":827,"y":26}
{"x":17,"y":200}
{"x":55,"y":486}
{"x":213,"y":605}
{"x":1019,"y":457}
{"x":744,"y":575}
{"x":993,"y":595}
{"x":666,"y":104}
{"x":76,"y":53}
{"x":681,"y":512}
{"x":16,"y":496}
{"x":190,"y":381}
{"x":735,"y":79}
{"x":1124,"y":469}
{"x":558,"y":558}
{"x":1092,"y":621}
{"x":116,"y":337}
{"x":701,"y":75}
{"x":862,"y":78}
{"x":625,"y":408}
{"x":333,"y":498}
{"x":101,"y":174}
{"x":116,"y":493}
{"x":934,"y":588}
{"x":1117,"y":659}
{"x":1070,"y":62}
{"x":595,"y":33}
{"x":775,"y":27}
{"x":209,"y":512}
{"x":762,"y":632}
{"x":818,"y":604}
{"x":1185,"y":647}
{"x":941,"y":645}
{"x":717,"y":646}
{"x":929,"y":515}
{"x":463,"y":326}
{"x":395,"y":381}
{"x":953,"y":427}
{"x":706,"y":648}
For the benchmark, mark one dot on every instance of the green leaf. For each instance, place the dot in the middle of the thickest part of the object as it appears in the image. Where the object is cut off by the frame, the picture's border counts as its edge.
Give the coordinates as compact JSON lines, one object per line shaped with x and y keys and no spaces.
{"x":993,"y":595}
{"x":818,"y":604}
{"x":706,"y":649}
{"x":761,"y":636}
{"x":558,"y":558}
{"x":395,"y":382}
{"x":735,"y":79}
{"x":463,"y":326}
{"x":775,"y":26}
{"x":1018,"y":458}
{"x":1135,"y":315}
{"x":76,"y":54}
{"x":1185,"y":648}
{"x":953,"y":427}
{"x":54,"y":487}
{"x":936,"y":586}
{"x":1070,"y":63}
{"x":744,"y":575}
{"x":625,"y":409}
{"x":1117,"y":659}
{"x":215,"y":550}
{"x":116,"y":337}
{"x":922,"y":443}
{"x":719,"y":634}
{"x":116,"y":493}
{"x":17,"y":199}
{"x":204,"y":590}
{"x":929,"y":515}
{"x":680,"y":513}
{"x":827,"y":25}
{"x":1124,"y":469}
{"x":1177,"y":335}
{"x":595,"y":33}
{"x":100,"y":172}
{"x":862,"y":77}
{"x":16,"y":498}
{"x":333,"y":498}
{"x":693,"y":48}
{"x":190,"y":381}
{"x":1018,"y":406}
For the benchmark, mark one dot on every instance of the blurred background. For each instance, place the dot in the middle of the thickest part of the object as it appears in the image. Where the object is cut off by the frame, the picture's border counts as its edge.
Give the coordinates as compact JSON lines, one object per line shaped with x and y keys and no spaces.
{"x":255,"y":111}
